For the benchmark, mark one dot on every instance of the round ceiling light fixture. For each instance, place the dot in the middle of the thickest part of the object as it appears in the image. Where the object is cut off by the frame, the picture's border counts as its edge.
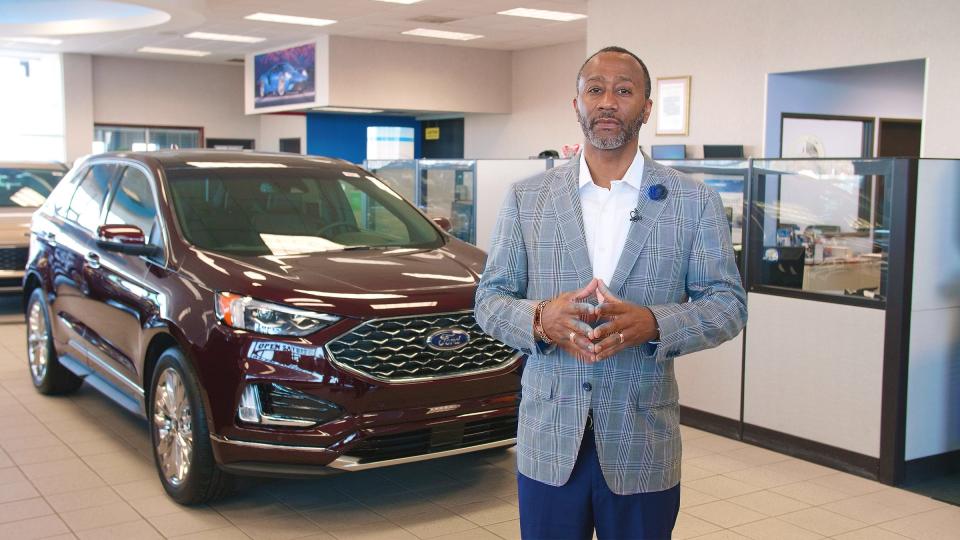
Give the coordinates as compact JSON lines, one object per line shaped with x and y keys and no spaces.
{"x":72,"y":17}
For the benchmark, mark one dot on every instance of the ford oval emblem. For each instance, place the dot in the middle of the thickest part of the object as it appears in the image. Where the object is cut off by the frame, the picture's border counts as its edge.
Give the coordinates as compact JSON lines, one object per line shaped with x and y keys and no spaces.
{"x":448,"y":339}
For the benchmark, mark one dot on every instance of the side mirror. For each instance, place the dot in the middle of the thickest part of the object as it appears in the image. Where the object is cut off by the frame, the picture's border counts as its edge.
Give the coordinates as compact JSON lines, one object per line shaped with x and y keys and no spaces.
{"x":444,"y":223}
{"x":128,"y":239}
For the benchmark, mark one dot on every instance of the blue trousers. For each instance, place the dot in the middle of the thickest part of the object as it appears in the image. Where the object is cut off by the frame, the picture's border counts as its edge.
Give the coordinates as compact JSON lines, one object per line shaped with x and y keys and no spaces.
{"x":573,"y":510}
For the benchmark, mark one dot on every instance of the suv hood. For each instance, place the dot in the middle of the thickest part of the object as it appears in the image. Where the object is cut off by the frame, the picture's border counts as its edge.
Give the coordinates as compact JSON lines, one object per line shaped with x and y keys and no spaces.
{"x":344,"y":278}
{"x":15,"y":226}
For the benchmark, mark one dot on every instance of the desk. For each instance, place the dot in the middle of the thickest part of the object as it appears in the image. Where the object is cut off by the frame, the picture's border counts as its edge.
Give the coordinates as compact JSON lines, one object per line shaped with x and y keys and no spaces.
{"x":834,"y":275}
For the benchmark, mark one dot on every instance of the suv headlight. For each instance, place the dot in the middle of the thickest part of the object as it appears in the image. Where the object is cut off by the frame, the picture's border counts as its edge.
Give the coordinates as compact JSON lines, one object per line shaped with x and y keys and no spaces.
{"x":245,"y":313}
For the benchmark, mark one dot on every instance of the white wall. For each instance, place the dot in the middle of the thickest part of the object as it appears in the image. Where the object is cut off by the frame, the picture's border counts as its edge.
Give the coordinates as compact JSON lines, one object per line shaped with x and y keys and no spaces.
{"x":543,"y":87}
{"x":814,"y":370}
{"x":890,"y":90}
{"x":494,"y":178}
{"x":274,"y":127}
{"x":418,"y":77}
{"x":166,"y":93}
{"x":933,"y":382}
{"x":729,"y":47}
{"x":78,"y":104}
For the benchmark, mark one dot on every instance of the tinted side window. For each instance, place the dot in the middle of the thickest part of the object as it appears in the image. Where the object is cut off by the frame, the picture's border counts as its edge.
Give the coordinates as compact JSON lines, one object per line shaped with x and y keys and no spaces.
{"x":85,"y":206}
{"x":59,"y":200}
{"x":133,"y":204}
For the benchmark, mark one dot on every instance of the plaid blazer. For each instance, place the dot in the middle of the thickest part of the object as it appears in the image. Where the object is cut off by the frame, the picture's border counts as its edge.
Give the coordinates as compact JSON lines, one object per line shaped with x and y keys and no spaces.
{"x":678,"y":261}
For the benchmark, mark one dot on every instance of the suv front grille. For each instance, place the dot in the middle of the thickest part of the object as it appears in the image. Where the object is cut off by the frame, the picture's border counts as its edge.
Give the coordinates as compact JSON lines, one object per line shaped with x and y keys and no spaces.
{"x":13,"y":258}
{"x":437,"y":439}
{"x":396,"y":350}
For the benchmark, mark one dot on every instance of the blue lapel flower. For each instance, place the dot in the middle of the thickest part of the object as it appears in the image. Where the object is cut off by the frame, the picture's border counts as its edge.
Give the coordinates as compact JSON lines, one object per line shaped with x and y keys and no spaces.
{"x":657,"y":192}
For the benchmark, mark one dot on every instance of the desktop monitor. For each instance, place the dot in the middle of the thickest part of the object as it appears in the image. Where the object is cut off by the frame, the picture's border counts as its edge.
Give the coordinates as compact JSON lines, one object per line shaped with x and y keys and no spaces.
{"x":668,"y":151}
{"x":715,"y":151}
{"x":785,"y":269}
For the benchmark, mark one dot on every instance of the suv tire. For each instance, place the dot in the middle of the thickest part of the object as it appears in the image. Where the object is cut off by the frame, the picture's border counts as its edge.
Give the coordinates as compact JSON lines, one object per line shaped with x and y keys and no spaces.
{"x":178,"y":431}
{"x":48,"y":375}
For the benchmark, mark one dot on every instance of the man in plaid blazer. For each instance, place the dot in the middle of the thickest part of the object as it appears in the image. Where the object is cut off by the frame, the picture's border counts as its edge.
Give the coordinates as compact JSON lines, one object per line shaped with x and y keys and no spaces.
{"x":603,"y":271}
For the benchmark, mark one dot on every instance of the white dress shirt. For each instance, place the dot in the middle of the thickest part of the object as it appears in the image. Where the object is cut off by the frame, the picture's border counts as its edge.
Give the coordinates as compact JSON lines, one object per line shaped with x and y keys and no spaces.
{"x":606,"y":215}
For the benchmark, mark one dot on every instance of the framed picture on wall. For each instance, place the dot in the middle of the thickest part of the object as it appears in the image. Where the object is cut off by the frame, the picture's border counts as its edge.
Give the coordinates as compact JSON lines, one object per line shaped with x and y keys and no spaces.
{"x":287,"y":78}
{"x":673,"y":105}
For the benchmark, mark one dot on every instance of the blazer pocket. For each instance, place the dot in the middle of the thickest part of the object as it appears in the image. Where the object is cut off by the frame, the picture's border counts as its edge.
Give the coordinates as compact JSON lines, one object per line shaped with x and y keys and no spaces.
{"x":538,"y":385}
{"x":653,"y":396}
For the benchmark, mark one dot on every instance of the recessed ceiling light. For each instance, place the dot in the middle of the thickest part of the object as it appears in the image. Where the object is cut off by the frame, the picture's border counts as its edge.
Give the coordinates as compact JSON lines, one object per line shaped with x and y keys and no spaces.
{"x":179,"y":52}
{"x":34,"y":40}
{"x":289,"y":19}
{"x":441,"y":34}
{"x":224,"y":37}
{"x":348,"y":110}
{"x":543,"y":14}
{"x":400,"y":1}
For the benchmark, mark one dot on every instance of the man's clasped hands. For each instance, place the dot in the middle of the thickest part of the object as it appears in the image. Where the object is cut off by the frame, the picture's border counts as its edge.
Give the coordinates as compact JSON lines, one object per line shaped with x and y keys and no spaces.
{"x":595,"y":332}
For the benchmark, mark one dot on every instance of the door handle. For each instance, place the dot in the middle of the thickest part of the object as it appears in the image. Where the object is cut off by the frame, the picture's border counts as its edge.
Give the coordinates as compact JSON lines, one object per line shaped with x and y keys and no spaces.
{"x":93,"y":260}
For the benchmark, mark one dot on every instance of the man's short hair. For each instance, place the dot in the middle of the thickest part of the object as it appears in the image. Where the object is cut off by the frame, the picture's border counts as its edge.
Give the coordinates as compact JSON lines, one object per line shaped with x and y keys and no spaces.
{"x":614,"y":49}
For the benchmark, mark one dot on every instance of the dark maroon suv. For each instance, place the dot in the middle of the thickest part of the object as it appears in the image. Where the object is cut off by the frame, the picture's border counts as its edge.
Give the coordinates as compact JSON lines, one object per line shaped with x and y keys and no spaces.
{"x":269,"y":315}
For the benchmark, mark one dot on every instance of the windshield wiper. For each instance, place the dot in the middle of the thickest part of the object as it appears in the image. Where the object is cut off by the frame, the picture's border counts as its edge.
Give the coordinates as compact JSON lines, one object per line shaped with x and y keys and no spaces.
{"x":361,"y":248}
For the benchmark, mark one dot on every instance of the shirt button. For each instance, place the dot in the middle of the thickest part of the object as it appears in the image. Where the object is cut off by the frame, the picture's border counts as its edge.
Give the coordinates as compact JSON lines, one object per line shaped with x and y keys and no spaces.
{"x":587,"y":387}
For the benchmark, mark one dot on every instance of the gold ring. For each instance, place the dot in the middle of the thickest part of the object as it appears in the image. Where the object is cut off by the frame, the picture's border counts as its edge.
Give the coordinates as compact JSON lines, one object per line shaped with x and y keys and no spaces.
{"x":572,"y":335}
{"x":621,"y":337}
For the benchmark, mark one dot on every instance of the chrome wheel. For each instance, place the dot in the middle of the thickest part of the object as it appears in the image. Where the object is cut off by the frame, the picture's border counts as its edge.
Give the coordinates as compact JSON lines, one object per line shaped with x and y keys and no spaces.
{"x":38,"y":337}
{"x":173,"y":426}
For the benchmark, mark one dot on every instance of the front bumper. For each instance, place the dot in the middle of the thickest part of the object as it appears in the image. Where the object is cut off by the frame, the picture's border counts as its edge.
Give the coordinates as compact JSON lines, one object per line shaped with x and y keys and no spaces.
{"x":382,"y":446}
{"x":382,"y":423}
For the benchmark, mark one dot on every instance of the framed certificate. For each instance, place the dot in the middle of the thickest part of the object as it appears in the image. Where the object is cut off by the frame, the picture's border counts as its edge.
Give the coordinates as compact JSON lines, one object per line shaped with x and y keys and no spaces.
{"x":673,"y":105}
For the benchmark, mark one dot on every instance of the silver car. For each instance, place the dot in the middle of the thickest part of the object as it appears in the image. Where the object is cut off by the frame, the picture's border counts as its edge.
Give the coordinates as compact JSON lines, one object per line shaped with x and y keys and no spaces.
{"x":23,"y":187}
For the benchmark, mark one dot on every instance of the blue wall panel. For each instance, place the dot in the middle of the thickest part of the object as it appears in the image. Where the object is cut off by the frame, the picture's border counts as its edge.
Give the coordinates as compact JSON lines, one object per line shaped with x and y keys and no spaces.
{"x":344,"y":136}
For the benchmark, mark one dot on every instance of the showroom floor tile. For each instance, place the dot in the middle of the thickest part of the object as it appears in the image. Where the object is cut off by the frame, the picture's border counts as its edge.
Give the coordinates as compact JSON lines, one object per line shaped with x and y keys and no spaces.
{"x":80,"y":467}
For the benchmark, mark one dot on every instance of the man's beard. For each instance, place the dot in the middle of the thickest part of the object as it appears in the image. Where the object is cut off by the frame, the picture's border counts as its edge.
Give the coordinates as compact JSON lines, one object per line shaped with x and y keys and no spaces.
{"x":627,"y":131}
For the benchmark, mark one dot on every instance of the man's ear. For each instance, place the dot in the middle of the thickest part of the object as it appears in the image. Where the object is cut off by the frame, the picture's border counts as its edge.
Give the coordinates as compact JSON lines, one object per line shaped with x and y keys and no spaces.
{"x":647,"y":111}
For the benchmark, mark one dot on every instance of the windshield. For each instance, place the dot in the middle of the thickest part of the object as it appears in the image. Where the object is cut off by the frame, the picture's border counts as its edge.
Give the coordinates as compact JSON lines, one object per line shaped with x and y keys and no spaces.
{"x":289,"y":211}
{"x":26,"y":188}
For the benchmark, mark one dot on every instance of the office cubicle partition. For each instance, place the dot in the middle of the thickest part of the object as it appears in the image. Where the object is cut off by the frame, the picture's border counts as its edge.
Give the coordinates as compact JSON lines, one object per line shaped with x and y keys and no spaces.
{"x":832,"y":367}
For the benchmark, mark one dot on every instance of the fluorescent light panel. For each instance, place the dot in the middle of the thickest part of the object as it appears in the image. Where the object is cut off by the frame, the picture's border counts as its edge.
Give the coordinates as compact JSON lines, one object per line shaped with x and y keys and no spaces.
{"x":289,"y":19}
{"x":441,"y":34}
{"x":34,"y":40}
{"x":348,"y":110}
{"x":224,"y":37}
{"x":178,"y":52}
{"x":543,"y":14}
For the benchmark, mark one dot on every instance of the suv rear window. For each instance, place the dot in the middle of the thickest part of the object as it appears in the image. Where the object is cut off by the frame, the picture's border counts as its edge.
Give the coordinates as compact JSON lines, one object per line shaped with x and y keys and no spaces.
{"x":286,"y":211}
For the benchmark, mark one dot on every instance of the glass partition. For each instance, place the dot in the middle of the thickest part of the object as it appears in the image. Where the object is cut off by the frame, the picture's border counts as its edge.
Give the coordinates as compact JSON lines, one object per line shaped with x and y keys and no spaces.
{"x":399,"y":174}
{"x":447,"y":189}
{"x":821,"y":226}
{"x":439,"y":187}
{"x":729,"y":178}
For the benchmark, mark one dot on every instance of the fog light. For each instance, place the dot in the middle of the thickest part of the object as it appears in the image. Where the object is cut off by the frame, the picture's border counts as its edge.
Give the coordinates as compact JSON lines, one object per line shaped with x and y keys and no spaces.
{"x":270,"y":404}
{"x":249,"y":410}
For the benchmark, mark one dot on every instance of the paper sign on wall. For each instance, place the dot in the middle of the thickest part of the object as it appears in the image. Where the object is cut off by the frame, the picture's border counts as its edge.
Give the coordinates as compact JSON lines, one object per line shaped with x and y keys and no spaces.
{"x":431,"y":134}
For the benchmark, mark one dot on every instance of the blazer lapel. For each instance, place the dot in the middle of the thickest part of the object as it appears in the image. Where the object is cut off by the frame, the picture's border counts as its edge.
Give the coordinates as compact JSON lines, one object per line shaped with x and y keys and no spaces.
{"x":566,"y":201}
{"x":649,"y":211}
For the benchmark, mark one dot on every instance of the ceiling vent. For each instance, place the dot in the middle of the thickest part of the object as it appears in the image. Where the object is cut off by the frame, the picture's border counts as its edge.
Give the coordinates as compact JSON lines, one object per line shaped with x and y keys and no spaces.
{"x":433,"y":19}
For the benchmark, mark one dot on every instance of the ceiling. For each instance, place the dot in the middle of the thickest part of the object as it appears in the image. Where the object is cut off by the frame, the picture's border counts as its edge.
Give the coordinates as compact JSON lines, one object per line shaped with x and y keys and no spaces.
{"x":368,"y":19}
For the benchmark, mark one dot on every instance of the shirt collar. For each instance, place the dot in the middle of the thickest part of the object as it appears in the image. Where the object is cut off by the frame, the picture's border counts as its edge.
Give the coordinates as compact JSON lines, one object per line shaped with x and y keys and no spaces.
{"x":633,"y":176}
